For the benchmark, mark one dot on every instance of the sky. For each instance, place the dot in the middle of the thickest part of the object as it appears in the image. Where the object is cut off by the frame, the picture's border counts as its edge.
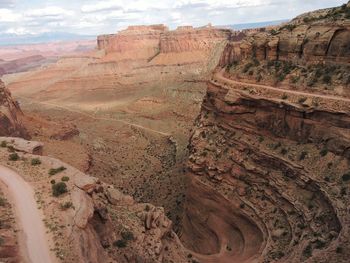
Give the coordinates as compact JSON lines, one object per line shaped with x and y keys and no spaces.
{"x":87,"y":17}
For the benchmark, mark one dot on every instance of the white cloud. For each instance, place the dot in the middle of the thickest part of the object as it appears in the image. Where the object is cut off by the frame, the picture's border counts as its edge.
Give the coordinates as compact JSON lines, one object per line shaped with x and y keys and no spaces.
{"x":7,"y":15}
{"x":101,"y":6}
{"x":49,"y":11}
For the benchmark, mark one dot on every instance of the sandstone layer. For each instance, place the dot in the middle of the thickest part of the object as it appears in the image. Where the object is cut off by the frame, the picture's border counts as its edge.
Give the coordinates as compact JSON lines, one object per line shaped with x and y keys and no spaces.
{"x":270,"y":165}
{"x":10,"y":112}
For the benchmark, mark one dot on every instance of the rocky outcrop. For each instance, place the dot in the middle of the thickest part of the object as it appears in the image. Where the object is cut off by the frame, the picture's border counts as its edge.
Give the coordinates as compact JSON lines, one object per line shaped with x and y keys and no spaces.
{"x":269,"y":180}
{"x":186,"y":39}
{"x":10,"y":124}
{"x":152,"y":40}
{"x":321,"y":36}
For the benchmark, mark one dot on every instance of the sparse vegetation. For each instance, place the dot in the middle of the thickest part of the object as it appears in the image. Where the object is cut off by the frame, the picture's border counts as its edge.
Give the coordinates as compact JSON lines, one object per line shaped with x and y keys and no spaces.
{"x":307,"y":252}
{"x":13,"y":157}
{"x":54,"y":171}
{"x":346,"y":177}
{"x":36,"y":161}
{"x":59,"y":189}
{"x":284,"y":96}
{"x":302,"y":155}
{"x":66,"y":205}
{"x":3,"y":144}
{"x":302,"y":100}
{"x":324,"y":152}
{"x":121,"y":243}
{"x":65,"y":179}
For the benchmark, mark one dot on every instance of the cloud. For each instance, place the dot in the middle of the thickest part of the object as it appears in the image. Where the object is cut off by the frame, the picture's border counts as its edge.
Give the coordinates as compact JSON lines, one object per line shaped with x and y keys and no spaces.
{"x":8,"y":15}
{"x":6,"y":3}
{"x":109,"y":16}
{"x":101,"y":6}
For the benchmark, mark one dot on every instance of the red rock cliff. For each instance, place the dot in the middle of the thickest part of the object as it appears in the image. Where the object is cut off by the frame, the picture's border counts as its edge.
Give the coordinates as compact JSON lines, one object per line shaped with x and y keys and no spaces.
{"x":10,"y":125}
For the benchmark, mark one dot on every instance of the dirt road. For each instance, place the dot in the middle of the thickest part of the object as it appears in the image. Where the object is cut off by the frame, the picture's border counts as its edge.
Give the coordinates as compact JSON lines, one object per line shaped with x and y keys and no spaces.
{"x":28,"y":216}
{"x":220,"y":76}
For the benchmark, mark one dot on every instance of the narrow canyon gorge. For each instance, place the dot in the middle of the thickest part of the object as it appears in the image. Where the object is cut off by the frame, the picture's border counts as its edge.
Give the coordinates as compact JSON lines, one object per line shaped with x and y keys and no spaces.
{"x":190,"y":145}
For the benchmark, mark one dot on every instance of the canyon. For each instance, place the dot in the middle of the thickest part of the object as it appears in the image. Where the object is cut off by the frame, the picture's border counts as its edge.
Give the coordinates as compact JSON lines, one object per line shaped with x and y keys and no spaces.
{"x":187,"y":145}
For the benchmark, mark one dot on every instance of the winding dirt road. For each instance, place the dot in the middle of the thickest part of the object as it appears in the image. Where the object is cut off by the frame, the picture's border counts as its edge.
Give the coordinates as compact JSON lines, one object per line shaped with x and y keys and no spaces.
{"x":28,"y":216}
{"x":220,"y":76}
{"x":52,"y":105}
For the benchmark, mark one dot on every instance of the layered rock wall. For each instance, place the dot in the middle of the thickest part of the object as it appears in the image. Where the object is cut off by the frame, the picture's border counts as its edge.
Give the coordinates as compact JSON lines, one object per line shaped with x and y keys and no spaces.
{"x":268,"y":180}
{"x":10,"y":124}
{"x":302,"y":43}
{"x":158,"y":39}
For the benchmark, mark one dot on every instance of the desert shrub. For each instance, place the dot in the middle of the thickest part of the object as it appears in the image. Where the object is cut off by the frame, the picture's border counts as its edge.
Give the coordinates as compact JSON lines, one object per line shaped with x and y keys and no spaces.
{"x":311,"y":82}
{"x":302,"y":99}
{"x":59,"y":189}
{"x":284,"y":151}
{"x":294,"y":79}
{"x":2,"y":201}
{"x":339,"y":250}
{"x":66,"y":205}
{"x":284,"y":96}
{"x":3,"y":144}
{"x":324,"y":152}
{"x":127,"y":235}
{"x":281,"y":77}
{"x":327,"y":79}
{"x":274,"y":32}
{"x":307,"y":252}
{"x":261,"y":139}
{"x":251,"y":73}
{"x":247,"y":67}
{"x":346,"y":177}
{"x":121,"y":243}
{"x":13,"y":157}
{"x":54,"y":171}
{"x":10,"y":148}
{"x":52,"y":181}
{"x":303,"y":155}
{"x":147,"y":208}
{"x":36,"y":161}
{"x":327,"y":178}
{"x":65,"y":179}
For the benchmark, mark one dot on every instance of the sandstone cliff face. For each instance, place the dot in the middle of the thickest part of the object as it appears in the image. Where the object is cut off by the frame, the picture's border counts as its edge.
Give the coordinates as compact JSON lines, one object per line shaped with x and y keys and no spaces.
{"x":158,"y":39}
{"x":10,"y":125}
{"x":323,"y":40}
{"x":269,"y":180}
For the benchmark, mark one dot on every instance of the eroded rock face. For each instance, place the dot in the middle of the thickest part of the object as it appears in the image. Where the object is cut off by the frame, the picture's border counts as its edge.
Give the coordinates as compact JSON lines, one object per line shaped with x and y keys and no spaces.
{"x":10,"y":125}
{"x":152,"y":40}
{"x":315,"y":37}
{"x":267,"y":181}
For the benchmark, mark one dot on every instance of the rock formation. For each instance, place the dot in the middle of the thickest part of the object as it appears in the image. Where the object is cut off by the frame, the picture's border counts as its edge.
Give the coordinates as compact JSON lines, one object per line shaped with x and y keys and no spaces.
{"x":311,"y":38}
{"x":270,"y":167}
{"x":152,"y":40}
{"x":10,"y":124}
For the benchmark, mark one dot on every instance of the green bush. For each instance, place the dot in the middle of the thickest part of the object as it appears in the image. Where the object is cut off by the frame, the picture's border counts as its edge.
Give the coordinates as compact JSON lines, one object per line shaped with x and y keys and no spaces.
{"x":54,"y":171}
{"x":59,"y":189}
{"x":327,"y":79}
{"x":36,"y":161}
{"x":324,"y":152}
{"x":346,"y":177}
{"x":247,"y":67}
{"x":65,"y":179}
{"x":3,"y":144}
{"x":66,"y":205}
{"x":121,"y":243}
{"x":2,"y":201}
{"x":10,"y":148}
{"x":302,"y":100}
{"x":127,"y":235}
{"x":302,"y":155}
{"x":13,"y":157}
{"x":284,"y":96}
